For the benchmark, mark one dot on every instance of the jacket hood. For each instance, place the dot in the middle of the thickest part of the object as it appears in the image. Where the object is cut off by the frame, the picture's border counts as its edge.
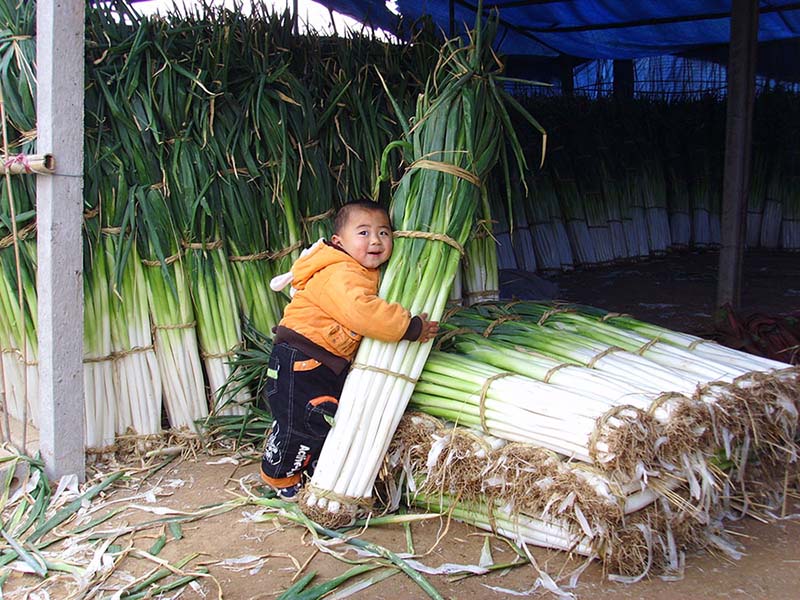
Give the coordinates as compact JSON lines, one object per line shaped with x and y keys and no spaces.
{"x":322,"y":255}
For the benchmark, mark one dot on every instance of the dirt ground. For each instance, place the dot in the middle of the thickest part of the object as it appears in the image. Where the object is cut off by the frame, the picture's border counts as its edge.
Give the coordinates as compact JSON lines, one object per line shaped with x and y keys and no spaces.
{"x":677,"y":291}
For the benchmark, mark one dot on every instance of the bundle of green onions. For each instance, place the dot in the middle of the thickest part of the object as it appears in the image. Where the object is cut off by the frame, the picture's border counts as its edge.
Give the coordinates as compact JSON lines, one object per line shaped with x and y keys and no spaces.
{"x":171,"y":312}
{"x":680,"y":221}
{"x":18,"y":342}
{"x":613,"y":194}
{"x":587,"y":346}
{"x":535,"y":496}
{"x":502,"y":222}
{"x":620,"y":414}
{"x":572,"y":206}
{"x":450,"y":149}
{"x":588,"y":172}
{"x":243,"y":217}
{"x":100,"y":394}
{"x":481,"y":280}
{"x":757,"y":195}
{"x":654,"y":194}
{"x":576,"y":412}
{"x":633,"y":216}
{"x":669,"y":348}
{"x":548,"y":218}
{"x":137,"y":375}
{"x":18,"y":306}
{"x":131,"y":123}
{"x":196,"y":207}
{"x":700,"y":192}
{"x":121,"y":302}
{"x":524,"y":247}
{"x":696,"y":400}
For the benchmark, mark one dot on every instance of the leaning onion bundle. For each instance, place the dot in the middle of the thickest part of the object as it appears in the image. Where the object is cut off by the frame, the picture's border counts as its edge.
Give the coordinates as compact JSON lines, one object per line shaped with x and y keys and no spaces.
{"x":453,"y":145}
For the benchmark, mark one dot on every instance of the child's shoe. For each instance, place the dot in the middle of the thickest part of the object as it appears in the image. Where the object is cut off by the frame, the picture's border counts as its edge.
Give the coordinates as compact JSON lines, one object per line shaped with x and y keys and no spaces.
{"x":289,"y":494}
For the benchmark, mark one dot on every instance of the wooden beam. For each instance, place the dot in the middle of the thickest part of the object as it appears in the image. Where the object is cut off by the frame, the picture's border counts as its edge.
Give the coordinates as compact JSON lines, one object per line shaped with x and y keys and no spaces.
{"x":672,"y":20}
{"x":59,"y":218}
{"x":738,"y":137}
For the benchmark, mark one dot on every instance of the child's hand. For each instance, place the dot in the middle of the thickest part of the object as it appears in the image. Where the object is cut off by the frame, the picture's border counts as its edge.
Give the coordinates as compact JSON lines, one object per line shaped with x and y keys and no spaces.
{"x":429,"y":329}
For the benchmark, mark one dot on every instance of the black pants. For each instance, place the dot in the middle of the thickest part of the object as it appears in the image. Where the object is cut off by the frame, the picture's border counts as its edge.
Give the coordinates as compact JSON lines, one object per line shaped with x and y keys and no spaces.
{"x":301,"y":392}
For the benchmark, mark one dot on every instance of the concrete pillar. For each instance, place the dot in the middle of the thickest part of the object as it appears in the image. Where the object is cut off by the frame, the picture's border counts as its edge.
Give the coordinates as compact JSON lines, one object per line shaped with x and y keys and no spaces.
{"x":59,"y":216}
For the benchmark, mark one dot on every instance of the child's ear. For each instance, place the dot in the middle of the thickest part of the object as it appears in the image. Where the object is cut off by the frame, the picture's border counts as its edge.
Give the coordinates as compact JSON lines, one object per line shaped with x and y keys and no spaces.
{"x":336,"y":240}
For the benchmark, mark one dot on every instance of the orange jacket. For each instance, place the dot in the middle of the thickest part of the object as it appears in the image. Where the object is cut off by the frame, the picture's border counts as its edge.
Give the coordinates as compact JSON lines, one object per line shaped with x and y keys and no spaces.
{"x":336,"y":303}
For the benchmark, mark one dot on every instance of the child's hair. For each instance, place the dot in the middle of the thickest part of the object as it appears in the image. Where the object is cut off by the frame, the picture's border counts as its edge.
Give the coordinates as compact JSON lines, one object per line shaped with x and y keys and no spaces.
{"x":340,"y":219}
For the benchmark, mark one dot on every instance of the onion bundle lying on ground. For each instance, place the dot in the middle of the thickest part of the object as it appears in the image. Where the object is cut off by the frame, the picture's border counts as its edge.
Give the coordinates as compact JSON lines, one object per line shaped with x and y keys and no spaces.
{"x":691,"y":398}
{"x":534,"y":496}
{"x":750,"y":395}
{"x":561,"y":417}
{"x":450,"y":150}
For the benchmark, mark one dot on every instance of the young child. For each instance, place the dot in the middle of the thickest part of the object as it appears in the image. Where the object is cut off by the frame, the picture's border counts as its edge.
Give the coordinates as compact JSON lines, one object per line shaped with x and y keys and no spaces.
{"x":335,"y":304}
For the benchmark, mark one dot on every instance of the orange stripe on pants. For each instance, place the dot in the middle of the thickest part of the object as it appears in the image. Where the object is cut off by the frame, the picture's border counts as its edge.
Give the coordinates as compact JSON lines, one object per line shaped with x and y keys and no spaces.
{"x":322,"y":399}
{"x":306,"y":365}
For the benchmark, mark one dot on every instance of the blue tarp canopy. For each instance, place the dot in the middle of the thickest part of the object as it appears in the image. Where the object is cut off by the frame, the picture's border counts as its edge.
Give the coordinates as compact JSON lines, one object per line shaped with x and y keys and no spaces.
{"x":596,"y":29}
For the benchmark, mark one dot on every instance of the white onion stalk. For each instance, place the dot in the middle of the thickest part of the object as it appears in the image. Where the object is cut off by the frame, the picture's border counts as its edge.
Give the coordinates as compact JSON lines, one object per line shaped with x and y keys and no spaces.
{"x":218,"y":326}
{"x":546,"y":533}
{"x":100,"y":392}
{"x":18,"y":325}
{"x":136,"y":366}
{"x":176,"y":347}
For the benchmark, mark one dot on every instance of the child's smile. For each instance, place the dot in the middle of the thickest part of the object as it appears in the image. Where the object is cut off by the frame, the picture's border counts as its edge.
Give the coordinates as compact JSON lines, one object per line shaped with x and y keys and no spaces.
{"x":367,"y":237}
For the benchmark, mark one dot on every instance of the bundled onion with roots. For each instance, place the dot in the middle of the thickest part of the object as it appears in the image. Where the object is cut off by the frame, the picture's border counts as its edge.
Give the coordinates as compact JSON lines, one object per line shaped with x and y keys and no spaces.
{"x":454,"y":143}
{"x":537,"y":497}
{"x":692,"y":396}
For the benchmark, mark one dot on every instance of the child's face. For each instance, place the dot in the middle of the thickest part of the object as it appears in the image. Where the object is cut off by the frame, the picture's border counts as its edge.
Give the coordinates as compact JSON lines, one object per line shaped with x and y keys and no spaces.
{"x":366,"y":236}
